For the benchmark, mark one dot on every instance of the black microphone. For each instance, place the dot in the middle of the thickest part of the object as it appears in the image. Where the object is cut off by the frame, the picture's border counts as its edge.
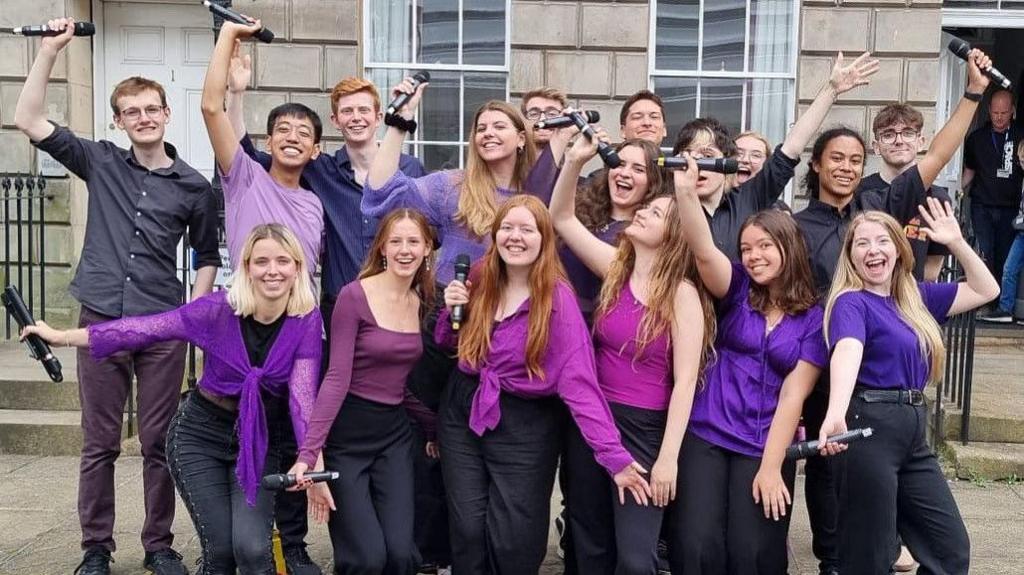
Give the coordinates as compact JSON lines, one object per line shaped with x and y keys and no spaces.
{"x":807,"y":448}
{"x":400,"y":100}
{"x":81,"y":29}
{"x":961,"y":49}
{"x":611,"y":159}
{"x":263,"y":34}
{"x":279,"y":481}
{"x":38,"y":348}
{"x":461,"y":273}
{"x":720,"y":165}
{"x":591,"y":116}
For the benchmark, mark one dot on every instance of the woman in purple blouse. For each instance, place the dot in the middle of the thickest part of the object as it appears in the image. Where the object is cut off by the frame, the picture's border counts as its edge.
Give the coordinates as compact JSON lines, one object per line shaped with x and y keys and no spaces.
{"x":883,"y":328}
{"x":524,"y":355}
{"x":359,"y":421}
{"x":261,"y":343}
{"x":734,"y":489}
{"x":653,"y":331}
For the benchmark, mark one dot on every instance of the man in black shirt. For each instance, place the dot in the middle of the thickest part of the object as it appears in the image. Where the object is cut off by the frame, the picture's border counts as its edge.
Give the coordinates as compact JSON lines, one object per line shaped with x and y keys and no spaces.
{"x":141,"y":202}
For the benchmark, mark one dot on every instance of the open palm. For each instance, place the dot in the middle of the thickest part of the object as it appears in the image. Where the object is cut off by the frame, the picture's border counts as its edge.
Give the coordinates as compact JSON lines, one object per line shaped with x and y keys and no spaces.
{"x":846,"y":77}
{"x":942,"y":225}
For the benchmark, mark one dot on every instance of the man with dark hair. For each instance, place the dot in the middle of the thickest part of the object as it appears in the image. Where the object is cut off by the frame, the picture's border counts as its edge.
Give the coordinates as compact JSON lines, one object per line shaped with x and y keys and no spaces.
{"x":643,"y":116}
{"x":141,"y":202}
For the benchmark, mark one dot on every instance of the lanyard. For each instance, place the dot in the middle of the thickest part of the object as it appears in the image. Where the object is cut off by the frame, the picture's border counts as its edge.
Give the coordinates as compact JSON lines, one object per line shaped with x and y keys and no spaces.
{"x":1006,"y":138}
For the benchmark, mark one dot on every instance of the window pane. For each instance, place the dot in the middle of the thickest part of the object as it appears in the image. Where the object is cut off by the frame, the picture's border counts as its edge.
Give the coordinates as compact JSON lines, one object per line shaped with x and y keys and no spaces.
{"x":438,"y":32}
{"x":483,"y":32}
{"x":384,"y":80}
{"x":724,"y":23}
{"x":676,"y":35}
{"x":390,"y":31}
{"x":771,"y":30}
{"x":723,"y":100}
{"x":479,"y":89}
{"x":767,"y":103}
{"x":439,"y":109}
{"x":680,"y":98}
{"x":439,"y":157}
{"x":969,"y":4}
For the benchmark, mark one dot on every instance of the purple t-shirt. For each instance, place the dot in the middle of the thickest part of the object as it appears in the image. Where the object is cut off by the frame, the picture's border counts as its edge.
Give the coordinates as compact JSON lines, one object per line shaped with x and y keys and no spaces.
{"x":252,"y":197}
{"x":641,"y":380}
{"x":569,"y":372}
{"x":892,"y":356}
{"x":735,"y":407}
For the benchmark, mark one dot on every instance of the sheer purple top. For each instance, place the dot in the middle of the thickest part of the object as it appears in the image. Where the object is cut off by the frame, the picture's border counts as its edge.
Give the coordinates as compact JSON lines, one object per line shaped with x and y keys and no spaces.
{"x":292,"y":367}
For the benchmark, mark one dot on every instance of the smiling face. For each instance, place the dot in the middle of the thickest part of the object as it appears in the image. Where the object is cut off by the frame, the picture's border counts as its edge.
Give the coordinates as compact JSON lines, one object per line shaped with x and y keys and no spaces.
{"x":898,"y":144}
{"x":650,"y":223}
{"x":496,"y":137}
{"x":540,"y":108}
{"x":628,"y":183}
{"x":272,"y":270}
{"x":518,"y":239}
{"x":405,"y":248}
{"x":292,"y":142}
{"x":357,"y":118}
{"x":840,"y":168}
{"x":751,"y":154}
{"x":760,"y":255}
{"x":143,"y":117}
{"x":874,"y":255}
{"x":644,"y":120}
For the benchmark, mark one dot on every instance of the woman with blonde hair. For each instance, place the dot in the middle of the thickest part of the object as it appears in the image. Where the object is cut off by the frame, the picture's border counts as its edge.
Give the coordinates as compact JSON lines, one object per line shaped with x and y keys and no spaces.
{"x":752,"y":150}
{"x":653,"y":331}
{"x":261,"y":343}
{"x":883,"y":329}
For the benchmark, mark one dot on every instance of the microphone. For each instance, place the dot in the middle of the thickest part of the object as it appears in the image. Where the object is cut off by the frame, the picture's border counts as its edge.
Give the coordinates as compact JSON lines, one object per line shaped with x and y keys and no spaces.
{"x":961,"y":48}
{"x":279,"y":481}
{"x":611,"y":159}
{"x":263,"y":34}
{"x":591,"y":116}
{"x":461,"y":273}
{"x":38,"y":348}
{"x":81,"y":29}
{"x":720,"y":165}
{"x":807,"y":448}
{"x":400,"y":100}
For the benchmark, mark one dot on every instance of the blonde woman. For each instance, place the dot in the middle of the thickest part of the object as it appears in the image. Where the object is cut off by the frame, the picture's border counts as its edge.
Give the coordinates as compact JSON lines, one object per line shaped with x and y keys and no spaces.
{"x":262,"y":347}
{"x":883,"y":330}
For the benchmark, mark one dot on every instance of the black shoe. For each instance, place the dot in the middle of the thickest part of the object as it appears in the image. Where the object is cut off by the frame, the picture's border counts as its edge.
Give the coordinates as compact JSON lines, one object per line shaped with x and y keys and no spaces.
{"x":998,"y":316}
{"x":297,"y":562}
{"x":164,"y":562}
{"x":96,"y":561}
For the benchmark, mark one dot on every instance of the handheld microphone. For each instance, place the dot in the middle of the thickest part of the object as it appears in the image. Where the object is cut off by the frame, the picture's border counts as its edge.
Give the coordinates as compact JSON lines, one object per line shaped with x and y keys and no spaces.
{"x":961,"y":49}
{"x":610,"y":157}
{"x":81,"y":29}
{"x":720,"y":165}
{"x":263,"y":34}
{"x":403,"y":98}
{"x":279,"y":481}
{"x":461,"y":273}
{"x":38,"y":348}
{"x":591,"y":116}
{"x":807,"y":448}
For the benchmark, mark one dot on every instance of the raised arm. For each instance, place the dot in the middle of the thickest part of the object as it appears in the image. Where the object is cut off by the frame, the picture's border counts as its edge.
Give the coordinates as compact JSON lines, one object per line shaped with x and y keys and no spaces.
{"x":385,"y":163}
{"x":713,"y":265}
{"x":239,"y":75}
{"x":593,"y":252}
{"x":980,"y":286}
{"x":30,"y":111}
{"x":218,"y":124}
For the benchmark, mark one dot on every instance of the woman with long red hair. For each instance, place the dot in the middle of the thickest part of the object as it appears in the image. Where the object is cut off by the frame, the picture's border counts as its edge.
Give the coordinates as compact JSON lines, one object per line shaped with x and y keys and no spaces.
{"x":524,"y":354}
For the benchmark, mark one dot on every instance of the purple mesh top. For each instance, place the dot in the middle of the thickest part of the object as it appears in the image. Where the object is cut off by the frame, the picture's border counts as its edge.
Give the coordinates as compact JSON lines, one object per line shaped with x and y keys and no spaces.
{"x":586,"y":284}
{"x":292,"y":366}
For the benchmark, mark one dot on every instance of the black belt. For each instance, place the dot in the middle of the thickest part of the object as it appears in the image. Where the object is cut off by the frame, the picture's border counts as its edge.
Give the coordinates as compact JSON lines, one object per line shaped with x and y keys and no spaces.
{"x":908,"y":396}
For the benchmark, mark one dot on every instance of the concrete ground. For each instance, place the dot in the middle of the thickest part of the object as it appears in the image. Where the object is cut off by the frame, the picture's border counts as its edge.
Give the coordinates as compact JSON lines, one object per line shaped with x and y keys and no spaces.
{"x":39,"y":533}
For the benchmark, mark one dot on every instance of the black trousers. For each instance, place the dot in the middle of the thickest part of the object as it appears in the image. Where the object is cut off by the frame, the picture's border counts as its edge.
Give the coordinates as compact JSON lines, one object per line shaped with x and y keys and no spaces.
{"x":894,"y":485}
{"x":370,"y":445}
{"x":499,"y":485}
{"x":430,"y":529}
{"x":608,"y":537}
{"x":822,"y":483}
{"x":718,"y":529}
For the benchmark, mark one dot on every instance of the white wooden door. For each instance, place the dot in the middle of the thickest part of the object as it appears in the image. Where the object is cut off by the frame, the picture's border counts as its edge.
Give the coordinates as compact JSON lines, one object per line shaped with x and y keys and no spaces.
{"x":171,"y":44}
{"x":952,"y":82}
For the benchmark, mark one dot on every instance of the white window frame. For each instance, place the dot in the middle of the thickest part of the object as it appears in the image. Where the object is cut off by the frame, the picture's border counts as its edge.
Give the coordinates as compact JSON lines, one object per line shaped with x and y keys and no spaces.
{"x":368,"y":65}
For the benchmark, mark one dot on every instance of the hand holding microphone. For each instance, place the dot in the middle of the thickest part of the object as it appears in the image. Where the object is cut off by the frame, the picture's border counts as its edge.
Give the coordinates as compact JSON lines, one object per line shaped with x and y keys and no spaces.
{"x":55,"y":28}
{"x":258,"y":31}
{"x":32,"y":333}
{"x":281,"y":481}
{"x":607,"y":153}
{"x":720,"y":165}
{"x":408,"y":93}
{"x":456,"y":295}
{"x":814,"y":447}
{"x":964,"y":51}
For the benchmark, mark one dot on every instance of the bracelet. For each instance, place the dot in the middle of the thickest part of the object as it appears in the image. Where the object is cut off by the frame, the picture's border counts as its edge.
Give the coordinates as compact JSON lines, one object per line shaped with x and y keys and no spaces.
{"x":396,"y":121}
{"x":973,"y":96}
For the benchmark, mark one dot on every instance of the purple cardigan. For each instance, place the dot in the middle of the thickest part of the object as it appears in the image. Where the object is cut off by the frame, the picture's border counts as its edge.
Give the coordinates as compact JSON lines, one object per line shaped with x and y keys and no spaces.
{"x":292,"y":366}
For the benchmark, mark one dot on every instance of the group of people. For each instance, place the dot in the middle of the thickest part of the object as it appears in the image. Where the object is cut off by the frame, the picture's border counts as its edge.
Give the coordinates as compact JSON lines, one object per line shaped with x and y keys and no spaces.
{"x":650,"y":338}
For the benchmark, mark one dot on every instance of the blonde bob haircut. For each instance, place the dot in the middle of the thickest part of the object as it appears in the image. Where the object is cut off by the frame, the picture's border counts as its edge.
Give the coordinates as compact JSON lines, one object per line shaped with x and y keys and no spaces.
{"x":242,"y":294}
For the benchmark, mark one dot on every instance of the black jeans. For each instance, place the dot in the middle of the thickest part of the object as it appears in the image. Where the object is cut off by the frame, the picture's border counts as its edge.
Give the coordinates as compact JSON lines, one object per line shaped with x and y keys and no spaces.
{"x":822,"y":483}
{"x":202,"y":448}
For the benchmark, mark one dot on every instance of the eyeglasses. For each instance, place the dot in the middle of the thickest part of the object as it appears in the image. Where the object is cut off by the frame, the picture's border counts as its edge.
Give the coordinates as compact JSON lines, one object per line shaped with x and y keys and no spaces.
{"x":535,"y":114}
{"x":133,"y":114}
{"x":284,"y":128}
{"x":889,"y":136}
{"x":705,"y":153}
{"x":750,"y":156}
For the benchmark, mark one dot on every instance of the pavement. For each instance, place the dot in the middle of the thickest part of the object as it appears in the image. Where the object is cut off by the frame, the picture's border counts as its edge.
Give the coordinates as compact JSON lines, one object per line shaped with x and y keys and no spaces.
{"x":39,"y":531}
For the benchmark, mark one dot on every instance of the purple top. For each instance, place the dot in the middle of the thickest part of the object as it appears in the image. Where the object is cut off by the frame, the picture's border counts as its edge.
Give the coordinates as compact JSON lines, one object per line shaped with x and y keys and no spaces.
{"x":892,"y":358}
{"x":436,"y":195}
{"x":586,"y":284}
{"x":568,"y":369}
{"x":367,"y":361}
{"x":734,"y":410}
{"x":252,"y":197}
{"x":292,"y":366}
{"x":643,"y":380}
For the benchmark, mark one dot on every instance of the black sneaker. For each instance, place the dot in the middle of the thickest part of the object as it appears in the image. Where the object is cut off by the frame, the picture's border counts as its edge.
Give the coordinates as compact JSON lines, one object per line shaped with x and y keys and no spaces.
{"x":998,"y":316}
{"x":297,"y":562}
{"x":96,"y":561}
{"x":164,"y":562}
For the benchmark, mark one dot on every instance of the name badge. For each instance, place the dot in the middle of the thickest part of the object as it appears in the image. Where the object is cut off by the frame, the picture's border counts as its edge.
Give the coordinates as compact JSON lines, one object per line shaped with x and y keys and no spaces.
{"x":1003,"y":173}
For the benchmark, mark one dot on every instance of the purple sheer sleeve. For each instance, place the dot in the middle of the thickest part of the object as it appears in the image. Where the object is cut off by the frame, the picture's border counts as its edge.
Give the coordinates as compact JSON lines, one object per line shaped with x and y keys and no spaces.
{"x":444,"y":335}
{"x":134,"y":333}
{"x":305,"y":375}
{"x":540,"y":182}
{"x":428,"y":194}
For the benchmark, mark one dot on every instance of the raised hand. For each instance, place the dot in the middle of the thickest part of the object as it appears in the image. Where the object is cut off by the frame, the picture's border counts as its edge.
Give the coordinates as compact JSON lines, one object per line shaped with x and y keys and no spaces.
{"x":846,"y":77}
{"x":240,"y":72}
{"x":942,"y":225}
{"x":236,"y":30}
{"x":631,"y":479}
{"x":686,"y":180}
{"x":977,"y":61}
{"x":407,"y":86}
{"x":56,"y":43}
{"x":583,"y":149}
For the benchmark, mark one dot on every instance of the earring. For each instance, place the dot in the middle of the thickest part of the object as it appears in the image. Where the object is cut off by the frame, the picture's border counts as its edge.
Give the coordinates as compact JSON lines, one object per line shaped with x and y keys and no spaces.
{"x":384,"y":262}
{"x":426,"y":263}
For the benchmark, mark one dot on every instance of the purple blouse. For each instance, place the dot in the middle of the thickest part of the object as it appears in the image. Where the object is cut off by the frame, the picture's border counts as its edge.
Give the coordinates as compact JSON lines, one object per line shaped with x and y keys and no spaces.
{"x":367,"y":361}
{"x":569,"y":372}
{"x":892,"y":358}
{"x":734,"y":409}
{"x":292,"y":366}
{"x":586,"y":284}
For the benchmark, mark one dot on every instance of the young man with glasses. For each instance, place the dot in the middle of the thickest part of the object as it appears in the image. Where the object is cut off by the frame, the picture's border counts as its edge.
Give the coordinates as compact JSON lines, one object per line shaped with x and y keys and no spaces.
{"x":543,"y":104}
{"x":141,"y":202}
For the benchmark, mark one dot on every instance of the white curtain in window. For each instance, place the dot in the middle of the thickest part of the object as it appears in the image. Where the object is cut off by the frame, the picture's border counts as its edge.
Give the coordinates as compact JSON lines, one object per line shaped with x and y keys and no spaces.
{"x":770,"y":51}
{"x":390,"y":30}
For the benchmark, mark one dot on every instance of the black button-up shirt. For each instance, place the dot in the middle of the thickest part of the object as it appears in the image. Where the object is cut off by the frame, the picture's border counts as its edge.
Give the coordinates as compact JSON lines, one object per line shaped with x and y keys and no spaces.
{"x":136,"y":217}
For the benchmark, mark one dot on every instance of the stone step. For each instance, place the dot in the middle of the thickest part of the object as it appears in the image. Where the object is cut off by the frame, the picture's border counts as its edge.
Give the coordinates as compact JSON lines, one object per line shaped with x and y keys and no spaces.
{"x":984,"y":429}
{"x":41,"y":432}
{"x":39,"y":395}
{"x":987,"y":461}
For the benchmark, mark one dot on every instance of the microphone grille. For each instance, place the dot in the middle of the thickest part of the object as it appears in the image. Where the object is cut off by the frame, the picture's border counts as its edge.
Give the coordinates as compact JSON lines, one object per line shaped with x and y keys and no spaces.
{"x":85,"y":29}
{"x":592,"y":116}
{"x":422,"y":76}
{"x":730,"y":166}
{"x":959,"y":47}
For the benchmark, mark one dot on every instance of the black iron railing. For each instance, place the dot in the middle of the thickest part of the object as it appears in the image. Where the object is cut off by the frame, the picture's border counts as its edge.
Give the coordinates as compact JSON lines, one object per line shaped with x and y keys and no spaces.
{"x":24,"y":229}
